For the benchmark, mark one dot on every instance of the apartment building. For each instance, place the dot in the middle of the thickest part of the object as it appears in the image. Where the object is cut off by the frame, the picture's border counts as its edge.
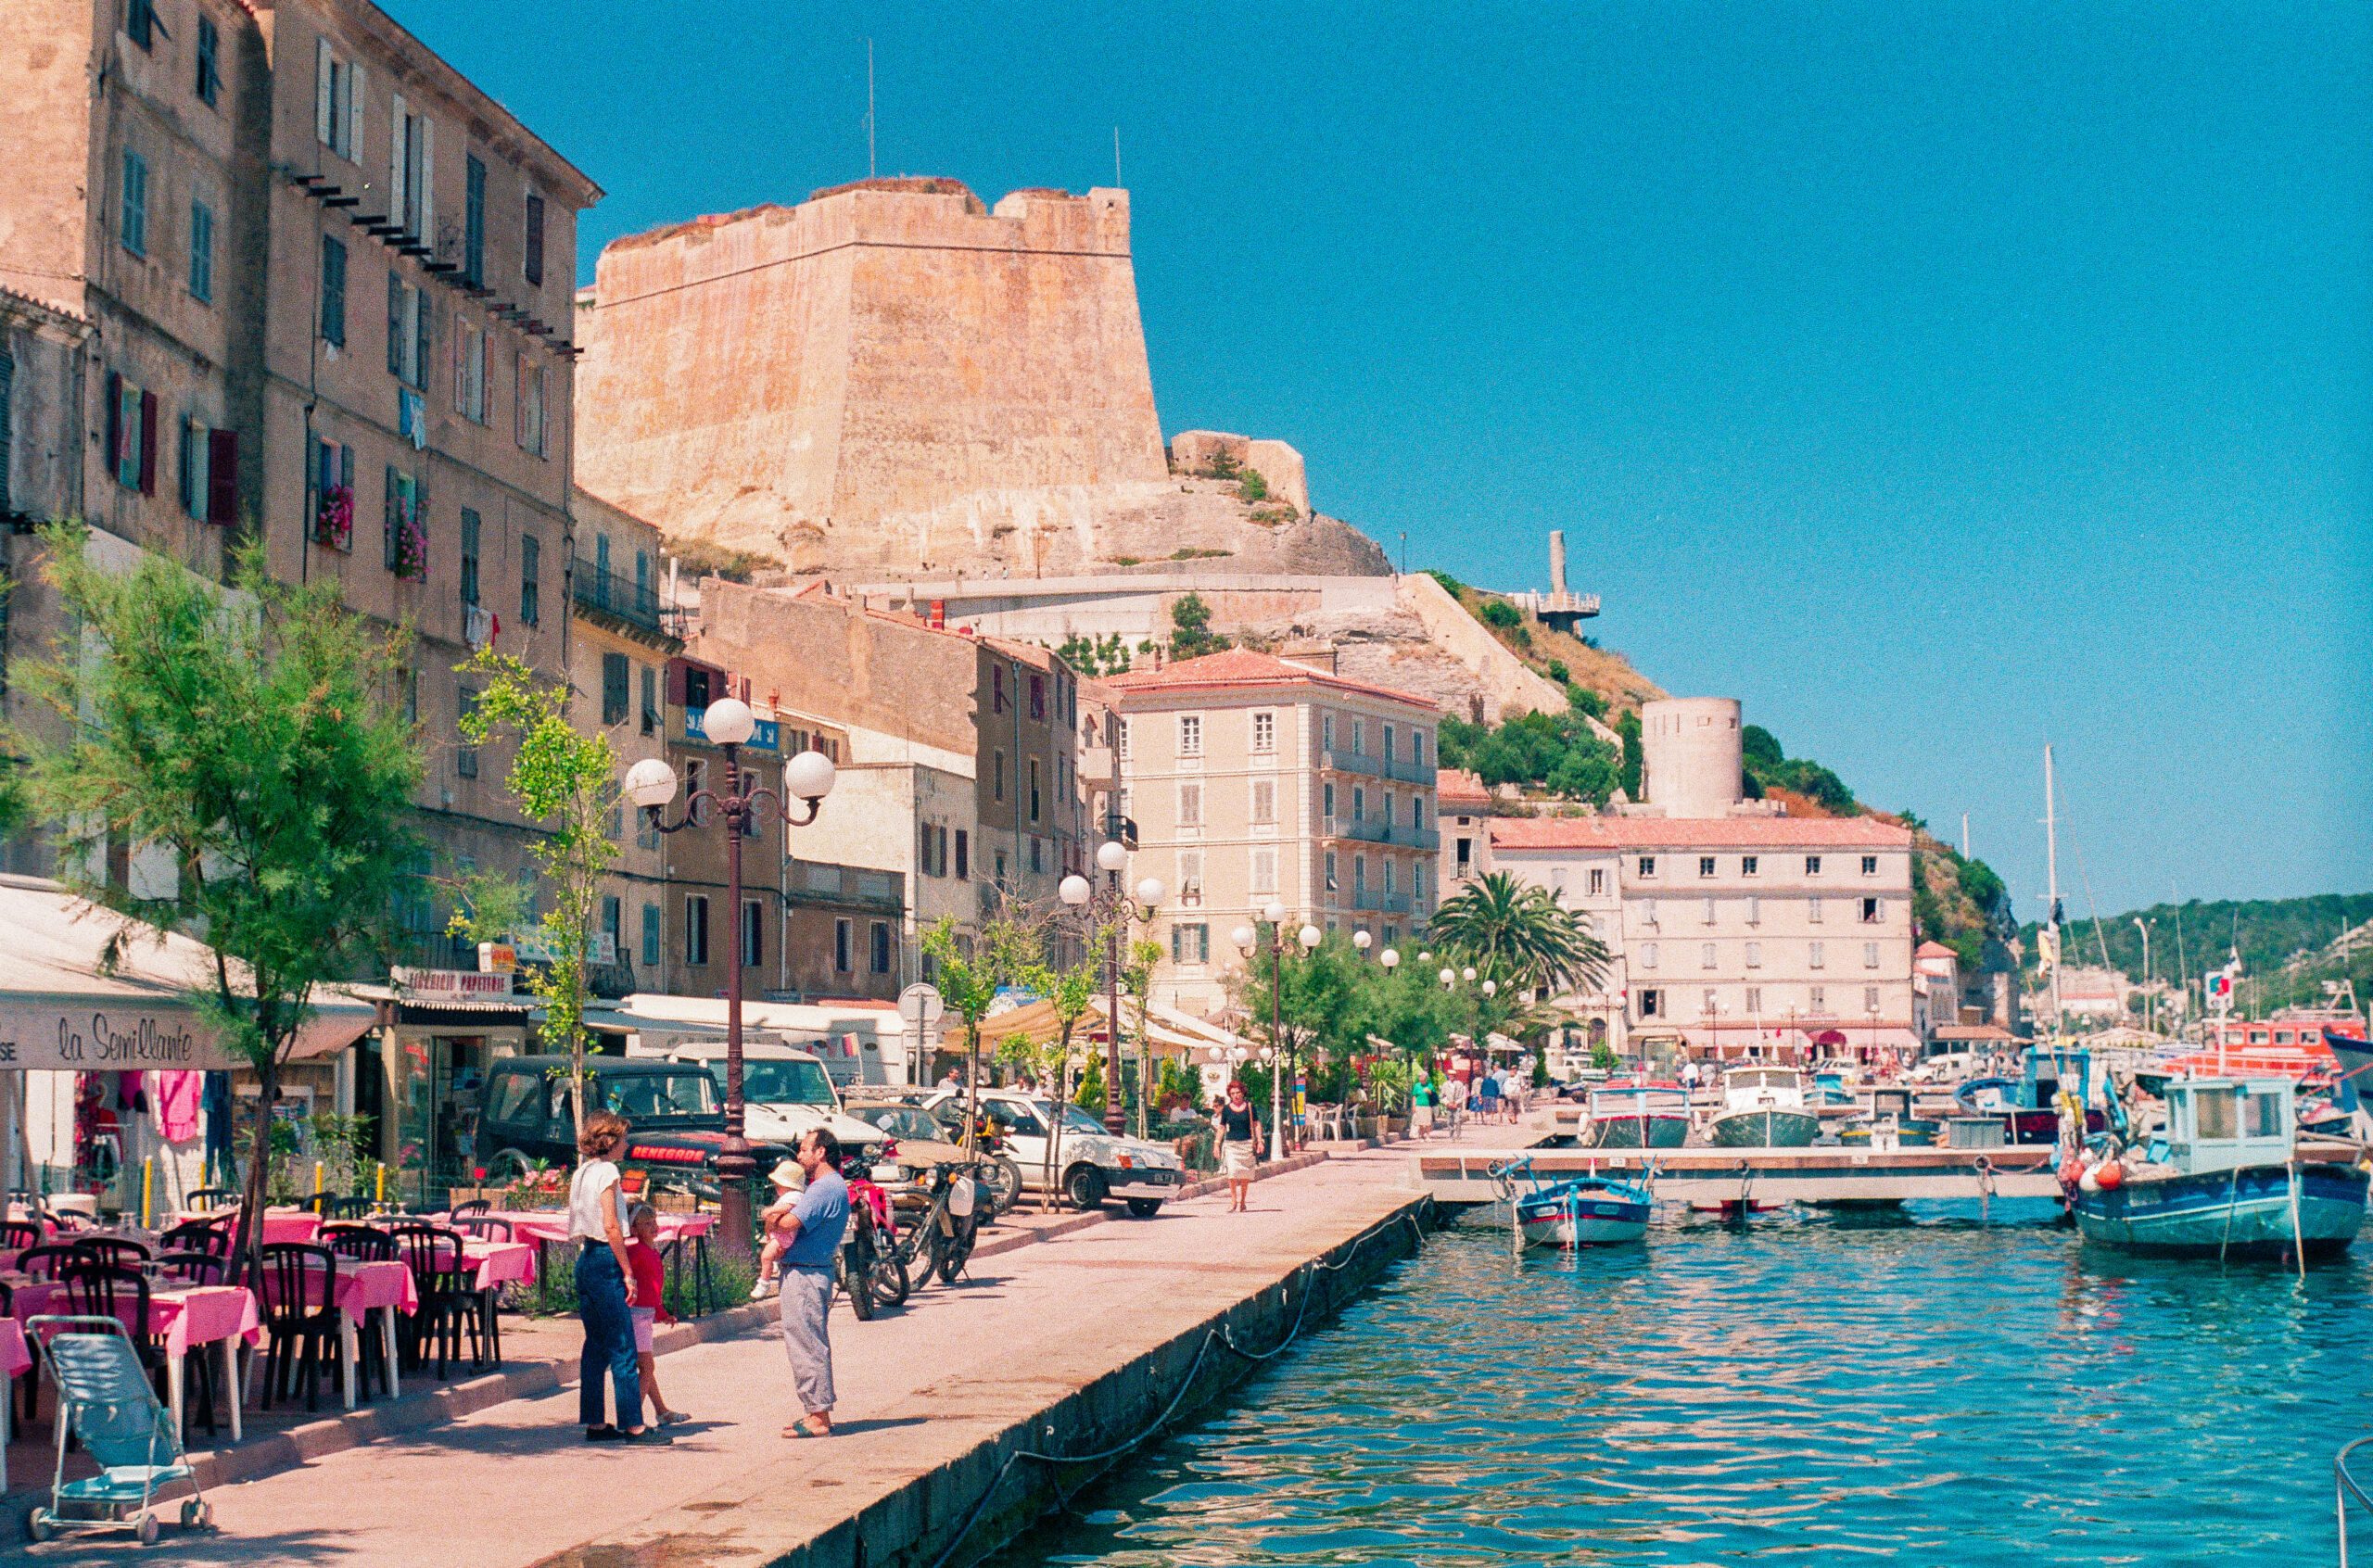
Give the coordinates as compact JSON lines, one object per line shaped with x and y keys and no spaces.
{"x":1250,"y":779}
{"x":619,"y":647}
{"x":326,"y":282}
{"x":1732,"y":937}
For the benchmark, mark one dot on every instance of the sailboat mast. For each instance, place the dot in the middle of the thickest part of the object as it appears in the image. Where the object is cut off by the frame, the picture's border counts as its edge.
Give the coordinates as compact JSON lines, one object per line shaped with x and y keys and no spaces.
{"x":2051,"y":876}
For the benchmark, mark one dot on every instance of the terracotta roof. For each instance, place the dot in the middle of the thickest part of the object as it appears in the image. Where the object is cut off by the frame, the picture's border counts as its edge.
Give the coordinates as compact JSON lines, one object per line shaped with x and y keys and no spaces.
{"x":1704,"y":832}
{"x":1934,"y":949}
{"x":1458,"y":784}
{"x":1242,"y":667}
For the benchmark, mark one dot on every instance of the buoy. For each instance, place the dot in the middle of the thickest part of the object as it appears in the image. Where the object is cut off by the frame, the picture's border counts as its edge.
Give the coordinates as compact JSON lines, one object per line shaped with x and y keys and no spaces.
{"x":2088,"y":1183}
{"x":2110,"y":1175}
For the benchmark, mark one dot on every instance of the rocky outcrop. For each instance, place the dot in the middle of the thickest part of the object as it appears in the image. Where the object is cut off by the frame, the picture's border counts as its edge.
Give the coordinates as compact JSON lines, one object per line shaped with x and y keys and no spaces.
{"x":1212,"y":452}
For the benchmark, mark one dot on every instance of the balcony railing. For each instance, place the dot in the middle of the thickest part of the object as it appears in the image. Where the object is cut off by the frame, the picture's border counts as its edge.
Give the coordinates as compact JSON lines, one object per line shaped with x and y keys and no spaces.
{"x":1402,"y":769}
{"x":1389,"y":903}
{"x":634,"y":602}
{"x":1376,"y":830}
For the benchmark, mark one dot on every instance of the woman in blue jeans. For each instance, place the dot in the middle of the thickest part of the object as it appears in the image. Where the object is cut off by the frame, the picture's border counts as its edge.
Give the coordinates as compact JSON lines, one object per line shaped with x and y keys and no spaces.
{"x":597,"y":1222}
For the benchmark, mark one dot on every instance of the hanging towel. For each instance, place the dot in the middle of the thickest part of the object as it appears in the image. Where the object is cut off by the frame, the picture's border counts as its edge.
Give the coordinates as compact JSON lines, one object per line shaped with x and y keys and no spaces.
{"x":178,"y":1093}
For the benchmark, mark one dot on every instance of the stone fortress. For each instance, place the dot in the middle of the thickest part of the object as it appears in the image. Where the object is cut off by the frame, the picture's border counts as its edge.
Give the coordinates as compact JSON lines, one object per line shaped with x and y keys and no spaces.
{"x":892,"y":378}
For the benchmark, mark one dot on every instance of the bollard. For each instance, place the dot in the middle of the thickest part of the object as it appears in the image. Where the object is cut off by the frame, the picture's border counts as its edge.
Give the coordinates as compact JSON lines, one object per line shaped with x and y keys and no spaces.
{"x":147,"y":1183}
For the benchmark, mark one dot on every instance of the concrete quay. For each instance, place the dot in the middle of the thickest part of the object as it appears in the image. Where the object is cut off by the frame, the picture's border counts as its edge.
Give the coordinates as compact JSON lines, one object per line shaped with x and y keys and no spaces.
{"x":1070,"y":1344}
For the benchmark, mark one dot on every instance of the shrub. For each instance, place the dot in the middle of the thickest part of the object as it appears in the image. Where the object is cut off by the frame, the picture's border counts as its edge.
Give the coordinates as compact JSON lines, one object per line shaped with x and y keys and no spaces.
{"x":1501,"y":613}
{"x":1584,"y":701}
{"x":1254,"y":489}
{"x":1450,"y":585}
{"x":1559,"y":672}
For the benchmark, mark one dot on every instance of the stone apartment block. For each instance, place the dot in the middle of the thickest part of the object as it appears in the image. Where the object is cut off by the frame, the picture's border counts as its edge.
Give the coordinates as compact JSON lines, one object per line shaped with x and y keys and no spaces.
{"x":325,"y":281}
{"x":1251,"y":778}
{"x":1782,"y":937}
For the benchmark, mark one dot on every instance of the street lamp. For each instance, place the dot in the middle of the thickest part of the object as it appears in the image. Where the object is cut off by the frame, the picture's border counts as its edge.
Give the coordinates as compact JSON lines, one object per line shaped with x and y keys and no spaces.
{"x":1360,"y":939}
{"x":1112,"y":858}
{"x":651,"y":784}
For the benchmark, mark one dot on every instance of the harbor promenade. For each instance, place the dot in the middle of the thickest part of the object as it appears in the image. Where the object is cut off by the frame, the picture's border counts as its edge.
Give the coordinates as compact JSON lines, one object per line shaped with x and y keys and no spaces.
{"x":1070,"y":1344}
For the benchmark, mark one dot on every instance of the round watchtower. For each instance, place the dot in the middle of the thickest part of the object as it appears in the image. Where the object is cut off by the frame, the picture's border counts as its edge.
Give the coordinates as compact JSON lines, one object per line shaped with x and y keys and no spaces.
{"x":1689,"y":755}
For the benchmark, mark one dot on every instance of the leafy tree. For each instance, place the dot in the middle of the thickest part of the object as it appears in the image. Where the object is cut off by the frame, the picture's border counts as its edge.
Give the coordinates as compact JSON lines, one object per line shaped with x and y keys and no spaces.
{"x":1760,"y":746}
{"x":1092,"y":1095}
{"x":253,"y":739}
{"x":567,"y":779}
{"x":1143,"y":956}
{"x":1635,"y":752}
{"x":1516,"y":934}
{"x":1191,"y":634}
{"x":1070,"y":991}
{"x":1500,"y":613}
{"x":1584,"y":701}
{"x":968,"y":986}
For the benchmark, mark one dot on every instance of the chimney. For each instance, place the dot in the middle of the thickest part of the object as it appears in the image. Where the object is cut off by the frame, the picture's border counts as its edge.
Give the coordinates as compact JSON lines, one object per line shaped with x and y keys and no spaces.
{"x":1557,"y":561}
{"x":939,"y":614}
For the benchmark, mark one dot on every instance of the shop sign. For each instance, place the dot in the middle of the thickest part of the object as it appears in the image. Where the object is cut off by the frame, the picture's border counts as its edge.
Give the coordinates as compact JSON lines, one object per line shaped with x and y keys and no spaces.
{"x":429,"y":985}
{"x":601,"y":948}
{"x":82,"y":1034}
{"x":497,"y":957}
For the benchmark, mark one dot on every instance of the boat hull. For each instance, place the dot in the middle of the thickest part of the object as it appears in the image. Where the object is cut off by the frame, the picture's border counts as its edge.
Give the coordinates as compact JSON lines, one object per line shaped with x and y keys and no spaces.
{"x":1665,"y":1129}
{"x":1605,"y":1217}
{"x":1764,"y":1128}
{"x":2243,"y":1214}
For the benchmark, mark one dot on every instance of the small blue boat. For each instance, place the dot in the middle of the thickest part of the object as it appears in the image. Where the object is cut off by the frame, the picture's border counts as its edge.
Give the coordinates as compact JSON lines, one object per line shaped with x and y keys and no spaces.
{"x":1590,"y":1211}
{"x":2223,"y":1182}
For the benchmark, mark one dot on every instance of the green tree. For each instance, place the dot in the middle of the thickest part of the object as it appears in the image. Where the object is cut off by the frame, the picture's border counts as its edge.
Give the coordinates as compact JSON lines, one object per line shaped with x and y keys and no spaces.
{"x":1191,"y":635}
{"x":1636,"y":751}
{"x":1584,"y":701}
{"x":253,"y":738}
{"x":1758,"y":746}
{"x":1071,"y":992}
{"x":968,"y":983}
{"x":565,"y":779}
{"x":1516,"y":934}
{"x":1144,"y":955}
{"x":1500,"y":614}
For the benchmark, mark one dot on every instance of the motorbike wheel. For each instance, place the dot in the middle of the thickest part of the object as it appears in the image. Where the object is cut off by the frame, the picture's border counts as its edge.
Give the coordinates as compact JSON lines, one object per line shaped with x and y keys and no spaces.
{"x":954,"y":1250}
{"x":890,"y":1286}
{"x":1002,"y":1181}
{"x":856,"y":1273}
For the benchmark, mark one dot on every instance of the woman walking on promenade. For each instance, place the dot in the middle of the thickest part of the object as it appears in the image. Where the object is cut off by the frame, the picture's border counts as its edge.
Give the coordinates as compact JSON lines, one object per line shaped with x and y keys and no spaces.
{"x":597,"y":1222}
{"x":1421,"y":1104}
{"x":1240,"y":1138}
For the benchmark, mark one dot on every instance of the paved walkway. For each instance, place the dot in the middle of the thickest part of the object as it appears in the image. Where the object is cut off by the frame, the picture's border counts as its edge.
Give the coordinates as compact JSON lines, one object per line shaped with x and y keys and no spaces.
{"x":515,"y":1484}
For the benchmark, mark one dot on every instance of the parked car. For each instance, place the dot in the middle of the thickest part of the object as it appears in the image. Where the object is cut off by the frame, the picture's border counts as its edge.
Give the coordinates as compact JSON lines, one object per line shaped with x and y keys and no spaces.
{"x":1096,"y":1165}
{"x":784,"y":1092}
{"x":675,"y":1110}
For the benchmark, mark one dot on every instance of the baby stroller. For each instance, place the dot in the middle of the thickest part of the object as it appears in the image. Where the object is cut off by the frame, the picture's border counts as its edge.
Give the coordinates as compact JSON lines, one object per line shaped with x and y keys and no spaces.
{"x":104,"y":1392}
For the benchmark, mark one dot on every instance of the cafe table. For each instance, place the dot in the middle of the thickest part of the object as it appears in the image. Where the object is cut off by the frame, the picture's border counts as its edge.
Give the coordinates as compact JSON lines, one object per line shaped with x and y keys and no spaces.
{"x":189,"y":1318}
{"x":366,"y":1286}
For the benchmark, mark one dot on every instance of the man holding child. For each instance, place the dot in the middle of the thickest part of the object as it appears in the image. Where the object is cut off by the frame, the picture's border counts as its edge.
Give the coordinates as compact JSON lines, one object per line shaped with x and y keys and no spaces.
{"x":809,"y":1230}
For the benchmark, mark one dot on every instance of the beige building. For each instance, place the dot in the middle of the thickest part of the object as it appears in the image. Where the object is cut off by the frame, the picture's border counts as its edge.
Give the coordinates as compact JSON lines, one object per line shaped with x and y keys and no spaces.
{"x":1785,"y":937}
{"x":1252,"y":779}
{"x":327,"y":282}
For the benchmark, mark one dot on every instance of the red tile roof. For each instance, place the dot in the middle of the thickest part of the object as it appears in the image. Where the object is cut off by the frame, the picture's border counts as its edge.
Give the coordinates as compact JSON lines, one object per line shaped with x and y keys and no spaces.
{"x":1934,"y":949}
{"x":1682,"y":832}
{"x":1242,"y":667}
{"x":1458,"y":784}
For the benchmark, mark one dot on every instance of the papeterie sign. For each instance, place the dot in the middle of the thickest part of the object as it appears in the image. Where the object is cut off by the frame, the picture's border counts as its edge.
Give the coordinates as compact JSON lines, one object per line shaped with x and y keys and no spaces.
{"x":84,"y":1034}
{"x":429,"y":985}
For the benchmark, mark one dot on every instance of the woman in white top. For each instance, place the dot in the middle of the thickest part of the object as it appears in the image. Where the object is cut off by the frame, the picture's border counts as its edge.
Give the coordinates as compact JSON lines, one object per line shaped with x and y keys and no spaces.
{"x":597,"y":1222}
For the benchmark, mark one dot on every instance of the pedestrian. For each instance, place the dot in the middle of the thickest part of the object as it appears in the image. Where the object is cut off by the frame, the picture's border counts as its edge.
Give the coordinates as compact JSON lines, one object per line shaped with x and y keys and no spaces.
{"x":1421,"y":1104}
{"x":597,"y":1222}
{"x":811,"y":1234}
{"x":650,"y":1275}
{"x":1453,"y":1100}
{"x":1241,"y":1136}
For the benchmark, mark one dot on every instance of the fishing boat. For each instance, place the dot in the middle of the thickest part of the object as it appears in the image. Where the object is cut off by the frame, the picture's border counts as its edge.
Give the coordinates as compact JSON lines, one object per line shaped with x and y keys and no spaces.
{"x":1763,"y":1107}
{"x":2029,"y":1102}
{"x":2223,"y":1181}
{"x":1591,"y":1210}
{"x":1890,"y":1117}
{"x":1637,"y":1113}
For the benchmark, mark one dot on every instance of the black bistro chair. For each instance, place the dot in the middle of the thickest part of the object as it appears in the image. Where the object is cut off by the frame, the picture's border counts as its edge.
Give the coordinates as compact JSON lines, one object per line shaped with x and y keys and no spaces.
{"x":210,"y":1236}
{"x":192,"y":1268}
{"x":365,"y":1244}
{"x":300,"y":1314}
{"x":50,"y":1260}
{"x":116,"y":1250}
{"x":447,"y":1304}
{"x":18,"y":1234}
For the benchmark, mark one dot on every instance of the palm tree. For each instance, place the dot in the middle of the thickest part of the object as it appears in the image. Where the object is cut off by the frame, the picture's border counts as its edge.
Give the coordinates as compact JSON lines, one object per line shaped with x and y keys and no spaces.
{"x":1518,"y":934}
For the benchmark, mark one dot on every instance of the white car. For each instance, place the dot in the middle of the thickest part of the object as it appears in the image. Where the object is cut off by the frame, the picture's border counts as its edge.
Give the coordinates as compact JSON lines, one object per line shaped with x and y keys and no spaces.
{"x":785,"y":1092}
{"x":1096,"y":1165}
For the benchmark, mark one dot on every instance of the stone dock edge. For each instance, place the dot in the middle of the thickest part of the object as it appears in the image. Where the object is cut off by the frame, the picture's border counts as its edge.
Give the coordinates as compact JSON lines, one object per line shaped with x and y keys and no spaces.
{"x":968,"y":1507}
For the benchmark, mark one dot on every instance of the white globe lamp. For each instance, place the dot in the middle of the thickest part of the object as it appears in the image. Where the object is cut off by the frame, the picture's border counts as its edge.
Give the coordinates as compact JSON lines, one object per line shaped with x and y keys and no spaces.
{"x":1111,"y":856}
{"x":650,"y":782}
{"x":728,"y":722}
{"x":1072,"y":890}
{"x":808,"y":776}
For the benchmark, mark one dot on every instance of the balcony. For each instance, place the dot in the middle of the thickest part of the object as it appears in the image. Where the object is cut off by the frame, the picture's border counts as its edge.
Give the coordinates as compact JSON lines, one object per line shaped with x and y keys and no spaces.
{"x":606,"y":593}
{"x":1387,"y":903}
{"x":1376,"y":830}
{"x":1403,"y":771}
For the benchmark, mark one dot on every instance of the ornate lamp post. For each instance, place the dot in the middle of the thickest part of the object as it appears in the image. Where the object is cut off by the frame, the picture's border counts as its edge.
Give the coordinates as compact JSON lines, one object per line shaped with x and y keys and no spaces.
{"x":1078,"y":893}
{"x":651,"y":784}
{"x":1248,"y":941}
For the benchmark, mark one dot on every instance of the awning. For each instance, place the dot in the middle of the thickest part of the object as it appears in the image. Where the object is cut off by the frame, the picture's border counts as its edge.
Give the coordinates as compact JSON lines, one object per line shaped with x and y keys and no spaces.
{"x":1829,"y":1037}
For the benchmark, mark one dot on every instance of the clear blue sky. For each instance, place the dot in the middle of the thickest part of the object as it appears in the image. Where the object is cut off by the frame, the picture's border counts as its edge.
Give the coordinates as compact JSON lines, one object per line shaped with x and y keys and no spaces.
{"x":1939,"y":379}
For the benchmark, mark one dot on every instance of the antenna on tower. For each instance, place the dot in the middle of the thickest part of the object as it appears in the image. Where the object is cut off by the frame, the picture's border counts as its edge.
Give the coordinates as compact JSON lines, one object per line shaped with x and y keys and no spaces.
{"x":872,"y":168}
{"x":1116,"y":158}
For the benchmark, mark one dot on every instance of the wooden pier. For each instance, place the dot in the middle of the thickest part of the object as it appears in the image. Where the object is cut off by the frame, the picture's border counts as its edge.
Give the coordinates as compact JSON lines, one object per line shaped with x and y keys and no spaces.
{"x":1712,"y":1176}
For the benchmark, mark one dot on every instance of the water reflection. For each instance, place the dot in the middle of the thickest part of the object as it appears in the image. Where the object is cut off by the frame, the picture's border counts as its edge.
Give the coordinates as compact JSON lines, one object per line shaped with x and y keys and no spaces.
{"x":1907,"y":1387}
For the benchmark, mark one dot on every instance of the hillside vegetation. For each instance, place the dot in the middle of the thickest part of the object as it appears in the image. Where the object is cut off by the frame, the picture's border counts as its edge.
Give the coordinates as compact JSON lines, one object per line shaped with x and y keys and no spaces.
{"x":2287,"y":944}
{"x":1596,"y":682}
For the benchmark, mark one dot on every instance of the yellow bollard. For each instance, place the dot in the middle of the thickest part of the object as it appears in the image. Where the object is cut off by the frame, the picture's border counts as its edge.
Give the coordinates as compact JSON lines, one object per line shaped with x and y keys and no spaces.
{"x":317,"y":1178}
{"x":147,"y":1183}
{"x":383,"y":1187}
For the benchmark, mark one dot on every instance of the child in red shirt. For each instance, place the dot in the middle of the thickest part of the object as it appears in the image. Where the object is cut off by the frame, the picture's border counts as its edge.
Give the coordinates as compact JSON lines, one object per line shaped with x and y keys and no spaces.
{"x":650,"y":1285}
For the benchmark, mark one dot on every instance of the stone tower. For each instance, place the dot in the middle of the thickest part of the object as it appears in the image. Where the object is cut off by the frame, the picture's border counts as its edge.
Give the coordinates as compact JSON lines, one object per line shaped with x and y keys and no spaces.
{"x":888,"y":375}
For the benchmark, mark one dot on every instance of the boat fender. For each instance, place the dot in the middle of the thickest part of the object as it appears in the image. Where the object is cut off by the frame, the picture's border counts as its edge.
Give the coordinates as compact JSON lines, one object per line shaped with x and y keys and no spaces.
{"x":2071,"y":1173}
{"x":2088,"y":1183}
{"x":2109,"y":1176}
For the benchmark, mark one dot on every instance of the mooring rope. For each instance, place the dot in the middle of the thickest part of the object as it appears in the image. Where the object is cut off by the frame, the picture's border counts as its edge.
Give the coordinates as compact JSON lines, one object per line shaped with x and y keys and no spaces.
{"x":1222,"y":1336}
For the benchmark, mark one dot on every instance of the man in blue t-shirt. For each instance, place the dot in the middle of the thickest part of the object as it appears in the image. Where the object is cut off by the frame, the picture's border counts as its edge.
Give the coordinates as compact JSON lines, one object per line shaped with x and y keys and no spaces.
{"x":811,"y":1237}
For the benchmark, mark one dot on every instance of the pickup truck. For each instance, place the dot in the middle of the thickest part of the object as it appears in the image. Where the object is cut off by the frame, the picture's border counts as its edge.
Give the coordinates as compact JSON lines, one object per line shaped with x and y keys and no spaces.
{"x":676,"y":1114}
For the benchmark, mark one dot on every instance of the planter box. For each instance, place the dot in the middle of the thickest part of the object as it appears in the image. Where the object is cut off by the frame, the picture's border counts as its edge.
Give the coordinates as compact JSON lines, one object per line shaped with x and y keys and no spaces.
{"x":1396,"y":1125}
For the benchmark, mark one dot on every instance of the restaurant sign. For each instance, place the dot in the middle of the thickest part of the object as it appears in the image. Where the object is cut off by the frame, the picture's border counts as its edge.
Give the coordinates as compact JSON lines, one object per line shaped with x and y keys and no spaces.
{"x":431,"y":985}
{"x":106,"y":1035}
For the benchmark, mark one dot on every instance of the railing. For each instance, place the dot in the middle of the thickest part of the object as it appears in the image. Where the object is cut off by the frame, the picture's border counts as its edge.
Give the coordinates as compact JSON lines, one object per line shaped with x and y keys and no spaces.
{"x":1376,"y":830}
{"x":608,"y":592}
{"x":2344,"y":1489}
{"x":1402,"y":770}
{"x":1389,"y":903}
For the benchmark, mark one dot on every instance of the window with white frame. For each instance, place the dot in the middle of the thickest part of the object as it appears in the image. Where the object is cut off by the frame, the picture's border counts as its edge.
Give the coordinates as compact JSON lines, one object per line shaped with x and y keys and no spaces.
{"x":1190,"y":878}
{"x":1190,"y":735}
{"x":1388,"y":745}
{"x":1870,"y":999}
{"x":1706,"y":1003}
{"x":1327,"y":794}
{"x":1870,"y":955}
{"x":1647,"y":865}
{"x":1330,"y":873}
{"x":1814,"y":956}
{"x":1264,"y":869}
{"x":1190,"y":805}
{"x":1359,"y":875}
{"x":1120,"y":732}
{"x":1755,"y":912}
{"x":1812,"y":865}
{"x":1709,"y":911}
{"x":1812,"y":911}
{"x":1705,"y":955}
{"x":1264,"y":800}
{"x":1755,"y":999}
{"x":1326,"y":732}
{"x":1388,"y":876}
{"x":1359,"y":737}
{"x":1191,"y":943}
{"x":1264,"y":732}
{"x":1816,"y":999}
{"x":338,"y":101}
{"x":1748,"y":865}
{"x":1598,"y":880}
{"x":1648,"y":955}
{"x":1705,"y":865}
{"x":1874,"y":911}
{"x":1755,"y":955}
{"x":1870,"y":865}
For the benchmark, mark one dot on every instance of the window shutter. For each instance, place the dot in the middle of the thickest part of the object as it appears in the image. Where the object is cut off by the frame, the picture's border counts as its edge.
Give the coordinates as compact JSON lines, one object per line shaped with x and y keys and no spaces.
{"x":423,"y":311}
{"x":148,"y":443}
{"x":321,"y":129}
{"x":427,"y":191}
{"x":396,"y":192}
{"x":519,"y":399}
{"x":222,"y":476}
{"x":353,"y":147}
{"x":534,"y":245}
{"x":191,"y":485}
{"x":395,"y":324}
{"x":114,"y":423}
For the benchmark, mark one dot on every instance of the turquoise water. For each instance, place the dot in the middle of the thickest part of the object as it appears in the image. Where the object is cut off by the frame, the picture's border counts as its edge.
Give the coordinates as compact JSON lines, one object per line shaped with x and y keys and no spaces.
{"x":1919,"y":1388}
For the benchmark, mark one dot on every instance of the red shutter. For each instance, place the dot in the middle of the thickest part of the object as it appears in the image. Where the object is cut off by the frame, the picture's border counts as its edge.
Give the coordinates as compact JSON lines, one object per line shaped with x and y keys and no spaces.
{"x":148,"y":443}
{"x":222,"y":476}
{"x":115,"y":425}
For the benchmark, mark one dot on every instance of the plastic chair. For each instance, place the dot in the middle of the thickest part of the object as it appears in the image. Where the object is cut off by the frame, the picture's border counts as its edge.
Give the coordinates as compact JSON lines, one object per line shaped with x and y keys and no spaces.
{"x":193,"y":1268}
{"x":361,"y":1244}
{"x":124,"y":1254}
{"x":104,"y":1401}
{"x":485,"y":1227}
{"x":206,"y":1200}
{"x":447,"y":1304}
{"x":18,"y":1234}
{"x":475,"y":1206}
{"x":198,"y":1235}
{"x":351,"y":1208}
{"x":295,"y":1275}
{"x":49,"y":1260}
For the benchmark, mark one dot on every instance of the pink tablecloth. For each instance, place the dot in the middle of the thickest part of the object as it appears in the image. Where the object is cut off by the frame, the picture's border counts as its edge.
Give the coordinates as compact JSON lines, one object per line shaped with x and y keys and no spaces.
{"x":199,"y":1315}
{"x":279,"y":1224}
{"x":15,"y":1357}
{"x":497,"y":1263}
{"x":362,"y":1285}
{"x":544,"y":1226}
